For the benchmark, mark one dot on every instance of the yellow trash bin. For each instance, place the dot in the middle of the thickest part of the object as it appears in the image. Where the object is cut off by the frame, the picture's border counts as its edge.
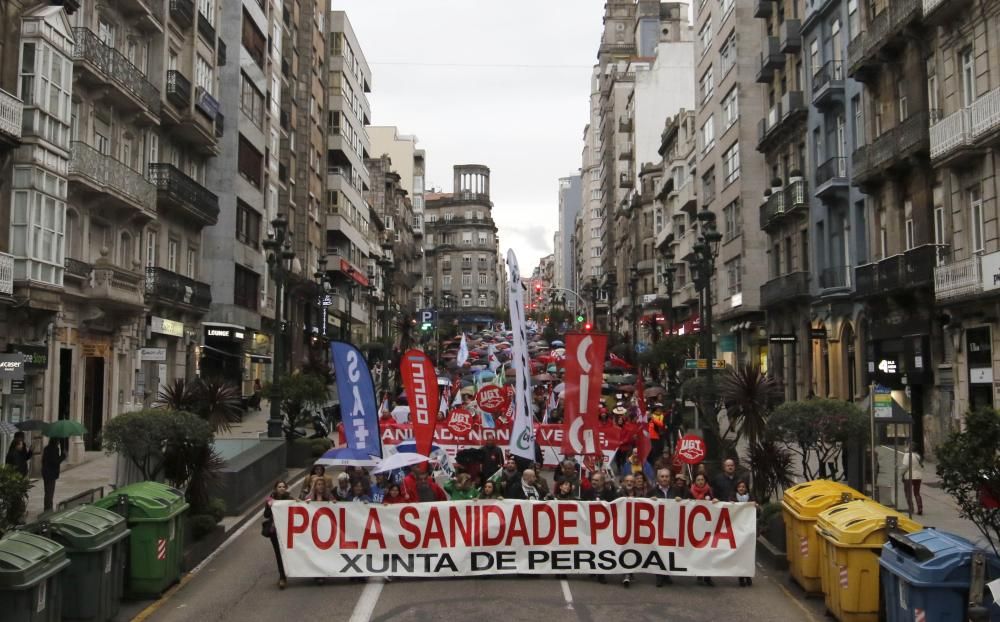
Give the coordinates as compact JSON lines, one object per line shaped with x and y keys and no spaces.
{"x":801,"y":505}
{"x":851,"y":539}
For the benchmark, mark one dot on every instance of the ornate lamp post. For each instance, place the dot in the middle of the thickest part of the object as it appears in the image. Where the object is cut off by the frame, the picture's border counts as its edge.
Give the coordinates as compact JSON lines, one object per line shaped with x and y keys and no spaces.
{"x":633,"y":282}
{"x":371,"y":308}
{"x":345,"y":327}
{"x":669,"y":271}
{"x":279,"y":258}
{"x":610,"y":290}
{"x":702,"y":262}
{"x":323,"y":286}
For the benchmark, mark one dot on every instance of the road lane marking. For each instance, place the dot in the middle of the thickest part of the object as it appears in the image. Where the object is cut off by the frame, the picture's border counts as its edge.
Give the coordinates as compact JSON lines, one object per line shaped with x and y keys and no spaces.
{"x":365,"y":607}
{"x":567,"y":594}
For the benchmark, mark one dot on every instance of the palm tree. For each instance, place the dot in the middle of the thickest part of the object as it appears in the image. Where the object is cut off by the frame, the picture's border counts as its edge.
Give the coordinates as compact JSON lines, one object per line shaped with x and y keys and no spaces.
{"x":220,"y":403}
{"x":749,"y":395}
{"x":179,"y":396}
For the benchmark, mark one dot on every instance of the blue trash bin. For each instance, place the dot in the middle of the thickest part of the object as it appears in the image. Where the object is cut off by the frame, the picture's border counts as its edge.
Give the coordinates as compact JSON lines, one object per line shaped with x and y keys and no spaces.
{"x":926,"y":576}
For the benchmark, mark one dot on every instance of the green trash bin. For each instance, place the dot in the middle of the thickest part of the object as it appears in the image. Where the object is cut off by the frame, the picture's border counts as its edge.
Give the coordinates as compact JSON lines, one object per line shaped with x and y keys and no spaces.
{"x":30,"y":578}
{"x":155,"y":515}
{"x":95,"y":541}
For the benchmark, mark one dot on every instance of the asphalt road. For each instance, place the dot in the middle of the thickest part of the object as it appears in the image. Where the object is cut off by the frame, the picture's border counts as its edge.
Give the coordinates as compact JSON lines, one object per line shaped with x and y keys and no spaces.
{"x":240,"y":584}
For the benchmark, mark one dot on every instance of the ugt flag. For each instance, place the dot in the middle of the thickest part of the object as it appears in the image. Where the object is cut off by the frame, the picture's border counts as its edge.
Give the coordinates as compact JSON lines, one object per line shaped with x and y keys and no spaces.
{"x":358,"y":407}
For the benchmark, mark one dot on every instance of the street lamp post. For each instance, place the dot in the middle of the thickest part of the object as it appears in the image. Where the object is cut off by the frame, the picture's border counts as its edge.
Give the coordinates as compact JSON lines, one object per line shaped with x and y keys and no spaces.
{"x":345,"y":327}
{"x":668,"y":275}
{"x":611,"y":290}
{"x":371,"y":306}
{"x":279,"y":258}
{"x":633,"y":282}
{"x":702,"y":260}
{"x":323,"y":287}
{"x":595,"y":292}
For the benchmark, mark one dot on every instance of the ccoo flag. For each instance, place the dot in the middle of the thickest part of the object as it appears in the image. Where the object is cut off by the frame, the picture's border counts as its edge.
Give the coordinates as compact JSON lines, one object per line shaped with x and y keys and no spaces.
{"x":420,"y":382}
{"x":357,"y":398}
{"x":522,"y":436}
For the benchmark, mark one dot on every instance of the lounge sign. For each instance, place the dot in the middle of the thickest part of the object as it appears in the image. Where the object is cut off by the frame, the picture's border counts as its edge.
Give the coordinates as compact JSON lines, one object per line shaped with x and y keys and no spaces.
{"x":221,"y":332}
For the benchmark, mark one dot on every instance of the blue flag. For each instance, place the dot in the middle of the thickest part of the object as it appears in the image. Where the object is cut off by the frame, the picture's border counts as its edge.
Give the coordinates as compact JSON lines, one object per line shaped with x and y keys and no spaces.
{"x":358,"y":408}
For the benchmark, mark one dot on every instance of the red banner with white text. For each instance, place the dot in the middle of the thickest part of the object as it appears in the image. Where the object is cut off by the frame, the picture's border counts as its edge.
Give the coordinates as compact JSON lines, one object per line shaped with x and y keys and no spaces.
{"x":462,"y":538}
{"x":581,"y":400}
{"x":420,"y":381}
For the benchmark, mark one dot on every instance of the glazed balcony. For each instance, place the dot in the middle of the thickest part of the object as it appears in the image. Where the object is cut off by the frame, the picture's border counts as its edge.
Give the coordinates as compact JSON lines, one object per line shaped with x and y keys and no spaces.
{"x":828,"y":84}
{"x":6,"y":275}
{"x":968,"y":131}
{"x":177,"y":191}
{"x":831,"y":178}
{"x":790,"y":36}
{"x":116,"y":185}
{"x":771,"y":59}
{"x":11,"y":113}
{"x":783,"y":289}
{"x":171,"y":289}
{"x":103,"y":67}
{"x":885,"y":32}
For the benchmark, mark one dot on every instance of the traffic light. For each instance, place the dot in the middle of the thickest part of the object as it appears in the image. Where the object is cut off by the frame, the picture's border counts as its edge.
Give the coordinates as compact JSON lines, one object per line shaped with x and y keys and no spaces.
{"x":587,"y":327}
{"x":538,"y":287}
{"x":579,"y":319}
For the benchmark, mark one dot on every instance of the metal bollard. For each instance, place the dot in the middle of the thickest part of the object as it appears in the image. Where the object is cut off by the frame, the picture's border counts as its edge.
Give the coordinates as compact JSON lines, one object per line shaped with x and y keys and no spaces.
{"x":977,"y":612}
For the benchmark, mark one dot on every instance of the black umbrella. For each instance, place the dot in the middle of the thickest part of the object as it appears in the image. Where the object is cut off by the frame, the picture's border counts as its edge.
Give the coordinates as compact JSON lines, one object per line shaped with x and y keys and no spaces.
{"x":31,"y":425}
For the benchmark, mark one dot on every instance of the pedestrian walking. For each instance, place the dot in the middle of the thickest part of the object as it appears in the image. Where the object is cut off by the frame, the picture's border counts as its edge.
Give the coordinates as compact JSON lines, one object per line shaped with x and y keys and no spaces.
{"x":913,"y":475}
{"x":280,"y":493}
{"x":19,"y":454}
{"x":52,"y":458}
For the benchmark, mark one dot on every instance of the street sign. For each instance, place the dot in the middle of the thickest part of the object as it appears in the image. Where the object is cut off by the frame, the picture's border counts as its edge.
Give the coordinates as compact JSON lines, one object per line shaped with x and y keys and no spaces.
{"x":883,"y":402}
{"x":428,"y":316}
{"x":703,"y":364}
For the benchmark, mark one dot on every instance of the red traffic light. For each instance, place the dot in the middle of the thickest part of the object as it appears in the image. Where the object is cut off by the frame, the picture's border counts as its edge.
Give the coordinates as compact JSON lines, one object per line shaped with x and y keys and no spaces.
{"x":587,"y":327}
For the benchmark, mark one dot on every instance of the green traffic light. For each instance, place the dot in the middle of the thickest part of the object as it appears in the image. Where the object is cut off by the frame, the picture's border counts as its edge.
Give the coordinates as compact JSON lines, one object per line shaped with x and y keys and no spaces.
{"x":579,"y":318}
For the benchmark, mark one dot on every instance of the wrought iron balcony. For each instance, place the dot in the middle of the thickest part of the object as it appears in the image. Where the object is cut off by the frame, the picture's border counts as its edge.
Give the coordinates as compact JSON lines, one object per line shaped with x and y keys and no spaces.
{"x":791,"y":36}
{"x":74,"y":268}
{"x":220,"y":125}
{"x":831,"y":177}
{"x":771,"y":58}
{"x":899,"y":273}
{"x":883,"y":32}
{"x":784,"y":116}
{"x":170,"y":288}
{"x":796,"y":196}
{"x":966,"y":131}
{"x":206,"y":30}
{"x":866,"y":280}
{"x":892,"y":150}
{"x":828,"y":83}
{"x":109,"y":67}
{"x":835,"y":278}
{"x":106,"y":176}
{"x":11,"y":111}
{"x":625,"y":125}
{"x":182,"y":12}
{"x":785,"y":288}
{"x":938,"y":12}
{"x":772,"y":210}
{"x":6,"y":274}
{"x":221,"y":55}
{"x":178,"y":90}
{"x":177,"y":190}
{"x":626,"y":152}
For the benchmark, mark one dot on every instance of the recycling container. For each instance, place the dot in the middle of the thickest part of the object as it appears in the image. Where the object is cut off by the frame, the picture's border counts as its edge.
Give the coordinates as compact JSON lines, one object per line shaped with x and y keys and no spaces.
{"x":155,"y":514}
{"x":926,"y":576}
{"x":95,"y":542}
{"x":800,"y":506}
{"x":30,"y":568}
{"x":851,"y":536}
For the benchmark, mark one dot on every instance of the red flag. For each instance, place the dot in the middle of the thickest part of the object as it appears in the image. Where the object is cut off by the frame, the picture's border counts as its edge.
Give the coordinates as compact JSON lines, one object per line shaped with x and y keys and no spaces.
{"x":618,"y":361}
{"x":582,"y":397}
{"x":643,"y":444}
{"x":420,"y":382}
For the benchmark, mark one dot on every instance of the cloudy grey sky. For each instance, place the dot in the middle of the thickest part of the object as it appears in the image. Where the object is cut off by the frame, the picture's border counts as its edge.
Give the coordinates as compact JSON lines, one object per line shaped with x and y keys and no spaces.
{"x":503,"y":83}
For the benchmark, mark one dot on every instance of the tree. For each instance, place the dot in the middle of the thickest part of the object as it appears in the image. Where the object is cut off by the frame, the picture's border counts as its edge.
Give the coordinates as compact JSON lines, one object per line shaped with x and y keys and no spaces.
{"x":151,"y":438}
{"x":969,"y":468}
{"x":298,"y":393}
{"x":749,"y":395}
{"x":816,"y":430}
{"x":14,"y":489}
{"x":770,"y":469}
{"x":668,"y":354}
{"x":216,"y":401}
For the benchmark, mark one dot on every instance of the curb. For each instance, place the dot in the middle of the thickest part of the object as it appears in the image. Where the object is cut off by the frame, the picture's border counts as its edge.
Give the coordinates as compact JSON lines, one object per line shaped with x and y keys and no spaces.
{"x":254,"y":510}
{"x":771,"y":555}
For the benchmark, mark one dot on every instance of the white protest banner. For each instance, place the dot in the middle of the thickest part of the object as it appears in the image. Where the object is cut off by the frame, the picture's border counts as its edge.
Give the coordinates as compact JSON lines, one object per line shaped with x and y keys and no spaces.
{"x":522,"y":441}
{"x":462,"y":538}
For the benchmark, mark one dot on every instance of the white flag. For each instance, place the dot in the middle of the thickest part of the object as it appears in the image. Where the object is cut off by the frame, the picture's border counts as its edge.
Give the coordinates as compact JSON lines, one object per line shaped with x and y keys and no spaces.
{"x":522,"y":438}
{"x":463,"y":352}
{"x":491,"y":356}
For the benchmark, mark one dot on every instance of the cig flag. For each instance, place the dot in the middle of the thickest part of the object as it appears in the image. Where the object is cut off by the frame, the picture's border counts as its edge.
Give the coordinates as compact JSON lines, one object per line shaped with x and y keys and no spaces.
{"x":582,"y":398}
{"x":420,"y":382}
{"x":463,"y":352}
{"x":357,"y":398}
{"x":522,"y":438}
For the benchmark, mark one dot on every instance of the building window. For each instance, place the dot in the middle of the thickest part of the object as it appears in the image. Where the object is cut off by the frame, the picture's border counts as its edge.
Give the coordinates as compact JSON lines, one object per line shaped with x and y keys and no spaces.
{"x":467,"y":238}
{"x":172,"y":251}
{"x":976,"y":220}
{"x":252,"y":101}
{"x":910,"y":242}
{"x":482,"y":300}
{"x":192,"y":261}
{"x":483,"y":279}
{"x":705,"y":37}
{"x":939,"y":233}
{"x":466,"y":261}
{"x":250,"y":162}
{"x":204,"y":75}
{"x":708,"y":134}
{"x":247,"y":225}
{"x":246,"y":288}
{"x":853,"y":18}
{"x":482,"y":238}
{"x":731,"y":163}
{"x":733,"y":220}
{"x":466,"y":279}
{"x":708,"y":187}
{"x":254,"y":41}
{"x":446,"y":281}
{"x":150,"y":249}
{"x":734,"y":276}
{"x":968,"y":77}
{"x":731,"y":107}
{"x":706,"y":86}
{"x":466,"y":301}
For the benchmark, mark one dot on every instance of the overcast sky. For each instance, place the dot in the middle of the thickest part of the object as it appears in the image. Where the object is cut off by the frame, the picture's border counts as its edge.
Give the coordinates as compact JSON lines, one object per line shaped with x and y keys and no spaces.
{"x":503,"y":83}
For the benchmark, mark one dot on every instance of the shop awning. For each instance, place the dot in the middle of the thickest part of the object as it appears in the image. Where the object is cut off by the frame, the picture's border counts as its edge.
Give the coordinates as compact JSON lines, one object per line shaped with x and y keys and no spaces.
{"x":261,"y":358}
{"x":222,"y":352}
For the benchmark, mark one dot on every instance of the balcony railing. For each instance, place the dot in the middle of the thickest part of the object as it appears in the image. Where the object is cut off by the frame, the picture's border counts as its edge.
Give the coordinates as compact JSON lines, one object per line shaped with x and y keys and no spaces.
{"x":115,"y":67}
{"x":862,"y":52}
{"x":966,"y":127}
{"x":893,"y":147}
{"x":111,"y":176}
{"x":175,"y":187}
{"x":171,"y":287}
{"x":784,"y":288}
{"x":904,"y":271}
{"x":959,"y":279}
{"x":182,"y":11}
{"x":797,"y":195}
{"x":984,"y":115}
{"x":828,"y":81}
{"x":221,"y":55}
{"x":11,"y":111}
{"x":206,"y":30}
{"x":771,"y":58}
{"x":838,"y":277}
{"x":940,"y":11}
{"x":791,"y":36}
{"x":178,"y":89}
{"x":762,"y":8}
{"x":772,"y":209}
{"x":6,"y":274}
{"x":77,"y":268}
{"x":834,"y":168}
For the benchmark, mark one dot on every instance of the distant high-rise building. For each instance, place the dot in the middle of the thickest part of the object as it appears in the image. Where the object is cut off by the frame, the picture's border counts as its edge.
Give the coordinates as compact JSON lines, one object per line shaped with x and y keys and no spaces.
{"x":570,"y":202}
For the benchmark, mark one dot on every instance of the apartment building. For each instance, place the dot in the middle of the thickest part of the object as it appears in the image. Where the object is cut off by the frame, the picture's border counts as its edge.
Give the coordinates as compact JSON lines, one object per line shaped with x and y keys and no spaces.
{"x":891,"y":165}
{"x":963,"y":80}
{"x":239,"y":328}
{"x":351,"y":242}
{"x":784,"y":212}
{"x":727,"y":49}
{"x":837,"y":226}
{"x":570,"y":204}
{"x":463,"y":251}
{"x":409,"y":162}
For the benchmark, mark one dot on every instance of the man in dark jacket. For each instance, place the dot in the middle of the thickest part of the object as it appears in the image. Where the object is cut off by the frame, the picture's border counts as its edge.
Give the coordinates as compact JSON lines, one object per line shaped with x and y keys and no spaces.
{"x":662,"y":487}
{"x":19,"y":454}
{"x":524,"y":488}
{"x":52,"y":458}
{"x":600,"y":489}
{"x":492,"y":457}
{"x":724,"y":484}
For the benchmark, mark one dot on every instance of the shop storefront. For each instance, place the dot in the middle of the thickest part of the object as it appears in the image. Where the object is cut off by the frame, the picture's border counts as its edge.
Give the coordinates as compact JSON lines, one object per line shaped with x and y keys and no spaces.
{"x":164,"y":359}
{"x":223,"y":353}
{"x":12,"y":390}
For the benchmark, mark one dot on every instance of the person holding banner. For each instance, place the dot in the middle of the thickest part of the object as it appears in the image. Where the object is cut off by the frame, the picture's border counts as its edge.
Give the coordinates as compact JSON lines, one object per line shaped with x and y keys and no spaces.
{"x":393,"y":495}
{"x":280,"y":493}
{"x":489,"y":491}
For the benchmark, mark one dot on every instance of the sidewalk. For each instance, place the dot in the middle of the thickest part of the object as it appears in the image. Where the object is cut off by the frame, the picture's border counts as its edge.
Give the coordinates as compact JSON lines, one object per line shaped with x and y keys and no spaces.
{"x":940,"y":510}
{"x":98,"y":469}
